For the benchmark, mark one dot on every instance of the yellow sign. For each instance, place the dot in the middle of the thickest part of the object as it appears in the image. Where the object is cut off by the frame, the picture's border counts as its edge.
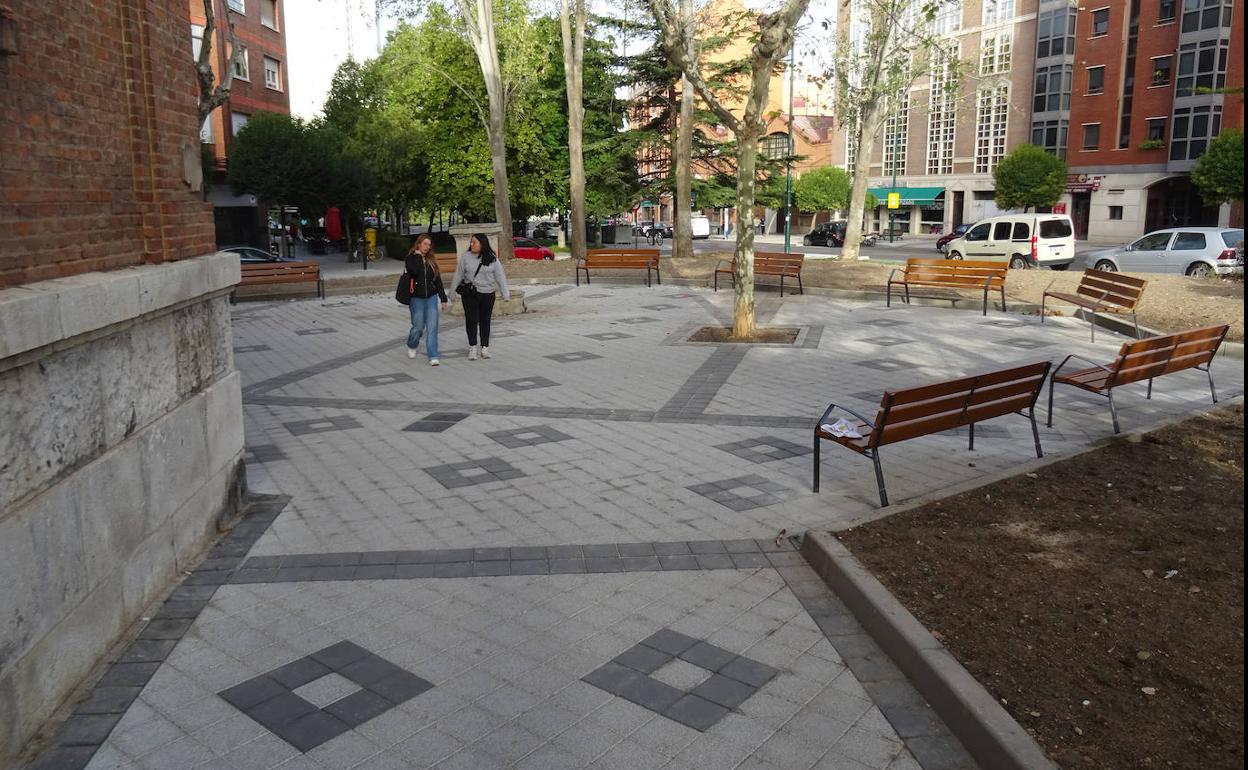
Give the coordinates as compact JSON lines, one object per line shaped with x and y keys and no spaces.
{"x":894,"y":200}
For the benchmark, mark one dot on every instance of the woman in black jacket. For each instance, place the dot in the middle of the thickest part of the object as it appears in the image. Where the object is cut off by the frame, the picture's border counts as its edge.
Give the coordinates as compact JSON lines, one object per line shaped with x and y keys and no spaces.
{"x":428,"y":297}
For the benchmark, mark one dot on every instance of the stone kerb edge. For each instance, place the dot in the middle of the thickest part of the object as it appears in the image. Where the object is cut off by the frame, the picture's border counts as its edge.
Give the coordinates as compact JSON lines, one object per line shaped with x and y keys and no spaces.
{"x":987,"y":731}
{"x":42,"y":313}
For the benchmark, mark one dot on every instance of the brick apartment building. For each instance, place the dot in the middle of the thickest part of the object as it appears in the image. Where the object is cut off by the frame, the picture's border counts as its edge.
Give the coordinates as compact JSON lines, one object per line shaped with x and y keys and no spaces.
{"x":260,"y":85}
{"x":120,"y":409}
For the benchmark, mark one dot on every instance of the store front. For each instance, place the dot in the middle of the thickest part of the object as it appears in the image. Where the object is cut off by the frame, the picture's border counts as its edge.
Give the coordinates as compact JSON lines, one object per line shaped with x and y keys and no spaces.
{"x":922,"y":209}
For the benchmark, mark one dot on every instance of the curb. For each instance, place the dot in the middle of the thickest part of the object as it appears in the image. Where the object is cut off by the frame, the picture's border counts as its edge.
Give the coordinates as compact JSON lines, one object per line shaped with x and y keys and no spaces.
{"x":987,"y":731}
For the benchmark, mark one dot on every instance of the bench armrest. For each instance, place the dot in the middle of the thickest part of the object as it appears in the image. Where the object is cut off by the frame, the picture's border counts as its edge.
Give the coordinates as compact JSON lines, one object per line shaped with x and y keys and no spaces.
{"x":721,"y":262}
{"x":1065,"y":360}
{"x":894,"y":271}
{"x":833,"y":407}
{"x":1050,"y":286}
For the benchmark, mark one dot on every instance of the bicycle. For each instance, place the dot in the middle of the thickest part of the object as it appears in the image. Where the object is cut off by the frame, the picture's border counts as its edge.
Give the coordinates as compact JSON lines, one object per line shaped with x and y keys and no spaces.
{"x":655,"y":237}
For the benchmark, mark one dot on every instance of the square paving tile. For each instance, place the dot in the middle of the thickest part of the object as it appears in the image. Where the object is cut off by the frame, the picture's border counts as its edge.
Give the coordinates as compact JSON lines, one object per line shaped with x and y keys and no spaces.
{"x":885,"y":364}
{"x":760,"y":492}
{"x":311,"y":700}
{"x":765,"y":449}
{"x":531,"y":436}
{"x":608,"y":336}
{"x":884,"y":323}
{"x":321,"y":425}
{"x":315,"y":331}
{"x":525,"y":383}
{"x":573,"y":357}
{"x":384,"y":379}
{"x":472,"y":472}
{"x":684,"y":679}
{"x":1026,"y":343}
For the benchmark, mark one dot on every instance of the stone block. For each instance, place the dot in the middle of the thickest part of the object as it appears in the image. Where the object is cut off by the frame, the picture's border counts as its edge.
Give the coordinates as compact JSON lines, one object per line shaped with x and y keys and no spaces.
{"x":28,"y":319}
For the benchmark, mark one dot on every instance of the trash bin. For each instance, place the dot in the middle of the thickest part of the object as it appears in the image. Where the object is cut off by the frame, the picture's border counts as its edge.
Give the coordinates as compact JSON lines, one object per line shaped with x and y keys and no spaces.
{"x":370,"y":238}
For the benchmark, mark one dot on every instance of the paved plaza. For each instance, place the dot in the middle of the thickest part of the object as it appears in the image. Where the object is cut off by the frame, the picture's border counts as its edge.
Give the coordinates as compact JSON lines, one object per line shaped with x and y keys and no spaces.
{"x":568,"y":555}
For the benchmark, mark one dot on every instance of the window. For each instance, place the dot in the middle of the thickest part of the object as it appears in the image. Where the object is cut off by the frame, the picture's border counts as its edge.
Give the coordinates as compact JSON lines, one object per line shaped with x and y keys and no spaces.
{"x":238,"y":6}
{"x":1193,"y":128}
{"x":1055,"y":33}
{"x":272,"y":74}
{"x":1189,"y":242}
{"x":1022,"y":231}
{"x":1055,"y":228}
{"x":1115,"y":212}
{"x":1156,"y":129}
{"x":978,"y":232}
{"x":242,"y":69}
{"x":1050,"y":135}
{"x":1001,"y":231}
{"x":948,"y":18}
{"x":197,"y":40}
{"x":1206,"y":14}
{"x":998,"y":10}
{"x":1096,"y":79}
{"x":991,"y":121}
{"x":268,"y":13}
{"x":1161,"y":70}
{"x":1152,"y":242}
{"x":1052,"y":88}
{"x":1232,"y":238}
{"x":237,"y":121}
{"x":205,"y":131}
{"x":1091,"y":136}
{"x":1100,"y":22}
{"x":896,"y":133}
{"x":1166,"y":12}
{"x":775,"y":146}
{"x":941,"y":115}
{"x":994,"y":53}
{"x":1201,"y":66}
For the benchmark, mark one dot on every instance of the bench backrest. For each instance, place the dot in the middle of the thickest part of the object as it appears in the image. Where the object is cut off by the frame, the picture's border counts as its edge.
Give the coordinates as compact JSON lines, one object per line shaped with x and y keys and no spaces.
{"x":621,"y":258}
{"x":1152,"y":357}
{"x":906,"y":414}
{"x":955,"y":272}
{"x":775,"y":260}
{"x":447,"y":264}
{"x":281,"y":269}
{"x":1115,"y":289}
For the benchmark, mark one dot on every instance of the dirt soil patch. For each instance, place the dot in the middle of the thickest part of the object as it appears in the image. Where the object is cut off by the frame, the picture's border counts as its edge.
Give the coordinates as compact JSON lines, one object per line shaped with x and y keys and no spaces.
{"x":783,"y":335}
{"x":1100,"y":599}
{"x":1171,"y":302}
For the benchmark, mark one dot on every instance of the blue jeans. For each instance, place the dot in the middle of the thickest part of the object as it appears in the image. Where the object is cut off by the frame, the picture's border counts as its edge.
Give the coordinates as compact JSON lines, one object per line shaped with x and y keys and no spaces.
{"x":424,"y":319}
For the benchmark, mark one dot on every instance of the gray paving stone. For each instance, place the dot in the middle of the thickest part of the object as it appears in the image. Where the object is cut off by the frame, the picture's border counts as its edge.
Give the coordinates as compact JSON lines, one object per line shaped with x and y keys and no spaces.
{"x":696,"y":712}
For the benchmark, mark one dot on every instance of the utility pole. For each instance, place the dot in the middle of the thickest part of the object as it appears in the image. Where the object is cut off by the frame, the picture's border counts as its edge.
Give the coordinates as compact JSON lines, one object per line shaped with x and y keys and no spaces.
{"x":892,"y":213}
{"x":788,"y":182}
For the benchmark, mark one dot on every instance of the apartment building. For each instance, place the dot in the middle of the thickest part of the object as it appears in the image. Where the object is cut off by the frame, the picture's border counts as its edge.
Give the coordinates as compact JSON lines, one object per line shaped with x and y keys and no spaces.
{"x":259,"y":85}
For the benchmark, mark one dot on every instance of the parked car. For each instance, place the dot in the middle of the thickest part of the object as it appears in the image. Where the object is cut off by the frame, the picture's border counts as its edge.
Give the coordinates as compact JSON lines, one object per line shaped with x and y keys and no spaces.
{"x":1201,"y":252}
{"x":826,"y":234}
{"x":527,"y":248}
{"x":546,"y":230}
{"x":1022,"y":240}
{"x":942,"y":243}
{"x":700,"y":225}
{"x":250,"y":255}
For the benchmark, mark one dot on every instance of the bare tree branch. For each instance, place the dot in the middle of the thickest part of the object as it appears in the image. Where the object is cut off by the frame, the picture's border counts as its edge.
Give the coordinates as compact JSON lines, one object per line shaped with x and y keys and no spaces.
{"x":212,"y":94}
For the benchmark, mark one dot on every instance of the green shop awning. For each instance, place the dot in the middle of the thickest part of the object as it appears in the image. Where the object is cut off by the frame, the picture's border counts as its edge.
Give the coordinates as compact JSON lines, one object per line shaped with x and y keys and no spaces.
{"x":910,"y":196}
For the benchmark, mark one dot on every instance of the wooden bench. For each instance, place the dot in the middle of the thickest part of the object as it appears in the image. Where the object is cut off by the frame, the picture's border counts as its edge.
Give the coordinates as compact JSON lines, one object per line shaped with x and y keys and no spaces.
{"x":922,"y":411}
{"x":766,"y":263}
{"x":446,"y":266}
{"x":1144,"y":359}
{"x":949,"y":273}
{"x":619,"y":259}
{"x":1101,"y":291}
{"x":259,"y":274}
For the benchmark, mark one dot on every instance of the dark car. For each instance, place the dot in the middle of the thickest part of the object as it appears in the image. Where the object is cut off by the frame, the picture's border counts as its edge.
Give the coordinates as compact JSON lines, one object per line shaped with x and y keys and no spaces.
{"x":250,"y":255}
{"x":826,"y":234}
{"x":943,"y":241}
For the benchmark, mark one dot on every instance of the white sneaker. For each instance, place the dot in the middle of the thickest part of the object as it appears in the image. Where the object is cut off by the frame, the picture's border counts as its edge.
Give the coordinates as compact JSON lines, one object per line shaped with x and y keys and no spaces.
{"x":472,"y":353}
{"x":434,"y":362}
{"x":485,"y":352}
{"x":411,"y":352}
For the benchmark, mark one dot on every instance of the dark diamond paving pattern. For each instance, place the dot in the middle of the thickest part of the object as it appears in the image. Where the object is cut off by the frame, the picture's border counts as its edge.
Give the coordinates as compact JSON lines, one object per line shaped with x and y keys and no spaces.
{"x":765,"y":492}
{"x":318,"y":330}
{"x":321,"y":425}
{"x":251,"y":348}
{"x":734,"y":678}
{"x":270,"y":700}
{"x":531,"y":436}
{"x":472,"y":472}
{"x":525,"y":383}
{"x":384,"y":379}
{"x":885,"y":364}
{"x":263,"y":453}
{"x":608,"y":336}
{"x":437,"y":422}
{"x":884,"y":323}
{"x":573,"y":357}
{"x":1026,"y":343}
{"x":765,"y":449}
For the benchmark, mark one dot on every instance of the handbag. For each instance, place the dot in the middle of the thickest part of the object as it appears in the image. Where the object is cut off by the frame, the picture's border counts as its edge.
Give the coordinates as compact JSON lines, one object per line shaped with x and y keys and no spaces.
{"x":403,"y":292}
{"x":468,"y":288}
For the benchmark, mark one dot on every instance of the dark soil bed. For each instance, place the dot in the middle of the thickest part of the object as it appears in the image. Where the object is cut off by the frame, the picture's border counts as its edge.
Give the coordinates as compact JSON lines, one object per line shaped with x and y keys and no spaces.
{"x":1100,"y":599}
{"x":784,"y":335}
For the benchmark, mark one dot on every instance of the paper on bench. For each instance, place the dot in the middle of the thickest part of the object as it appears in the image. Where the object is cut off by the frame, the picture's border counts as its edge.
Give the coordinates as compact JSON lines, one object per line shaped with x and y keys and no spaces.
{"x":841,"y":429}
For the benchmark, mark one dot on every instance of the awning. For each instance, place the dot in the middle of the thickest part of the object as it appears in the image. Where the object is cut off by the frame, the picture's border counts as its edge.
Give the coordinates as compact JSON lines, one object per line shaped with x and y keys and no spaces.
{"x":910,"y":196}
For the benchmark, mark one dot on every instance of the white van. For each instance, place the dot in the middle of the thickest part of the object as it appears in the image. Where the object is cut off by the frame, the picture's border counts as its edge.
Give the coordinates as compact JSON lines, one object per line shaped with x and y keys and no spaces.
{"x":1023,"y":240}
{"x":700,"y":225}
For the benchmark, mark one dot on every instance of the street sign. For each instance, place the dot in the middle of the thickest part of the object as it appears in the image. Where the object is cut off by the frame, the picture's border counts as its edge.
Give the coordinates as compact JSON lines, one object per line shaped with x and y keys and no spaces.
{"x":894,"y":200}
{"x":1059,"y":208}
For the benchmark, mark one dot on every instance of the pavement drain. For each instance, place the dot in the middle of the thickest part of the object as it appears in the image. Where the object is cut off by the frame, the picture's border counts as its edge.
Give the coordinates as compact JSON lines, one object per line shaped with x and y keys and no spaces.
{"x":353,"y":684}
{"x":713,"y":681}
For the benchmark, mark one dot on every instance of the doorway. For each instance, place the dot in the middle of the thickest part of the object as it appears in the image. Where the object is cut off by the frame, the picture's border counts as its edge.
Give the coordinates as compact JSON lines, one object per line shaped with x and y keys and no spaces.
{"x":1080,"y":212}
{"x":959,"y":201}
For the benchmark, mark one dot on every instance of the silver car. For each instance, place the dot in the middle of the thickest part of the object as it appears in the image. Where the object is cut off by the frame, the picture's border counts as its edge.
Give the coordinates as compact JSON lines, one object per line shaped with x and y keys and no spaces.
{"x":1200,"y":252}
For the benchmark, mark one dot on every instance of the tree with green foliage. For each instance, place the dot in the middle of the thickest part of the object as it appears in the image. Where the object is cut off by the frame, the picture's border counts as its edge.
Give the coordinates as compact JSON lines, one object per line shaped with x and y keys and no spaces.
{"x":272,"y":159}
{"x":1219,"y":173}
{"x":825,"y":188}
{"x":1029,"y":177}
{"x":353,"y":92}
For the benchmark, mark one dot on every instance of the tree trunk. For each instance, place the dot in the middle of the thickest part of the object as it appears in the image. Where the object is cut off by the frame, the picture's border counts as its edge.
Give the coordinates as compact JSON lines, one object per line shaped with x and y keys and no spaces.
{"x":872,"y":120}
{"x":747,"y":162}
{"x":682,"y":242}
{"x":480,"y":22}
{"x":572,"y":25}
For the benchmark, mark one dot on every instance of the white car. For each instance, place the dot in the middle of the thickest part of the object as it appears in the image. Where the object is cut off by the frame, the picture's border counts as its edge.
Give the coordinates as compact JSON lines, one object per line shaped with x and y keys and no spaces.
{"x":1201,"y":252}
{"x":1022,"y":240}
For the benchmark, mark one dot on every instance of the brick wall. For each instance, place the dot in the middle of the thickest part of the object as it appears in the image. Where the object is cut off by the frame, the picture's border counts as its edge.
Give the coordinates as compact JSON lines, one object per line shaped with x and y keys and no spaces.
{"x":96,"y":109}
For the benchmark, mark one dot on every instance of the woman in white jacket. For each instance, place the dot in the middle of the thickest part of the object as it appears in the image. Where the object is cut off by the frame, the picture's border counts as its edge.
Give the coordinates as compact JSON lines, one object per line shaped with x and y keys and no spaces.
{"x":478,"y":276}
